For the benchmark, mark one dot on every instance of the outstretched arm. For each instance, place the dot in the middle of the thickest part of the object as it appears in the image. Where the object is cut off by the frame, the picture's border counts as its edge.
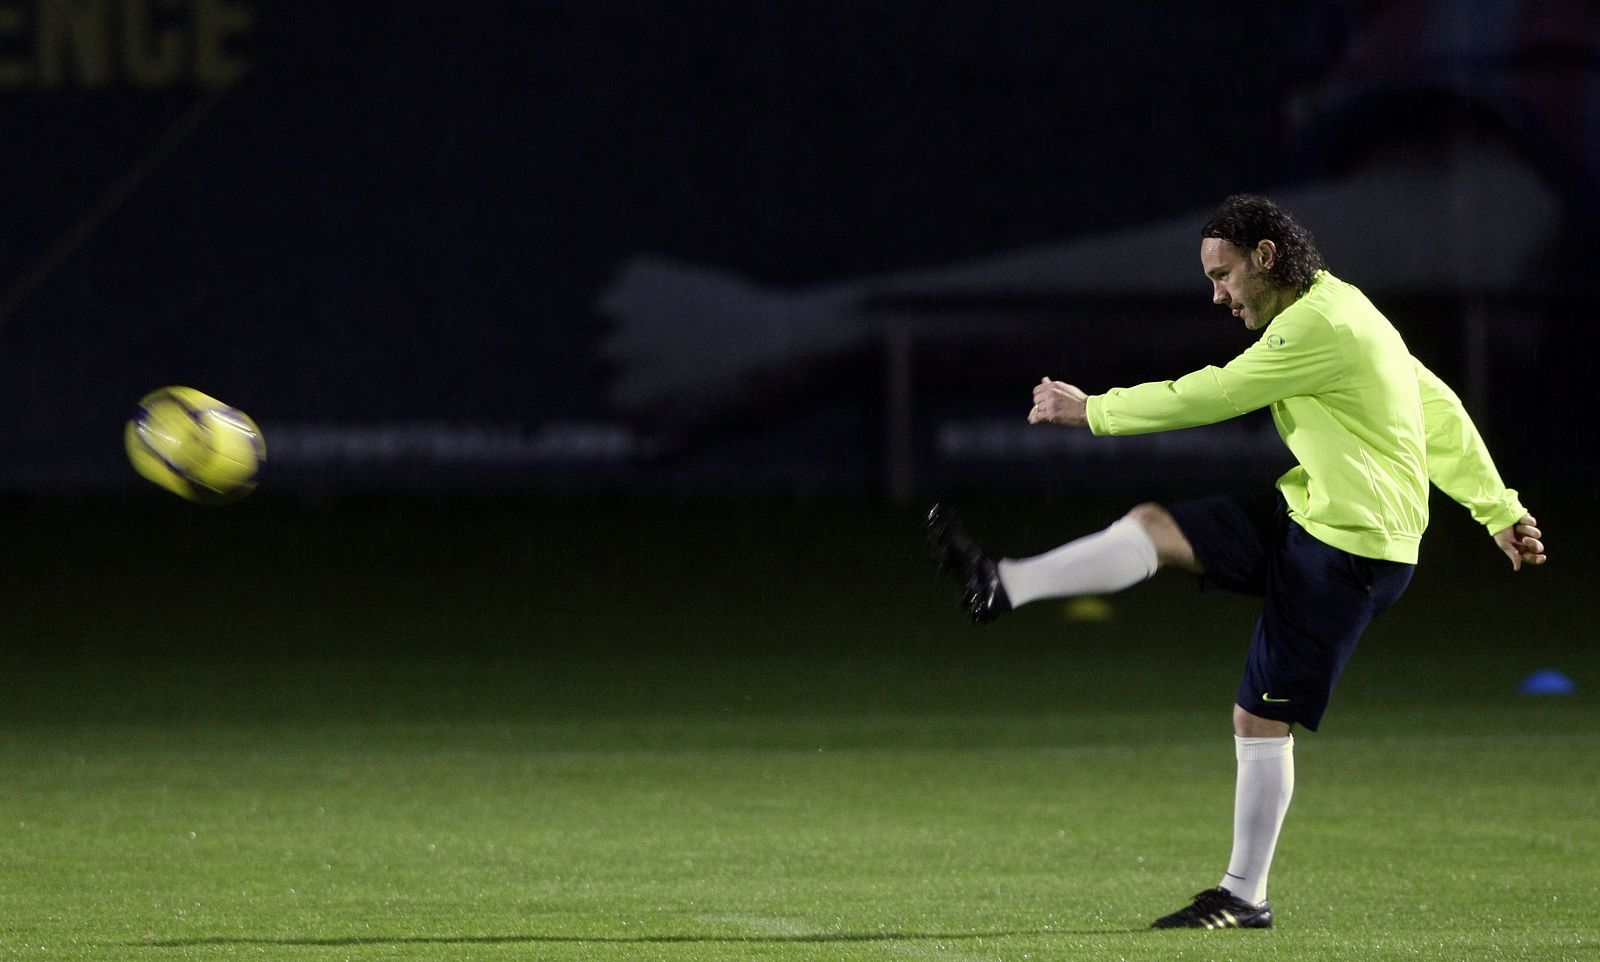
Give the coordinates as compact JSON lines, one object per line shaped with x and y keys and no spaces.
{"x":1299,"y":353}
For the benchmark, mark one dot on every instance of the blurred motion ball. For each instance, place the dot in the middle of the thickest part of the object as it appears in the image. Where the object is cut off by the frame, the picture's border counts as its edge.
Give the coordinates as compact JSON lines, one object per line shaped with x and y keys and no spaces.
{"x":195,"y":446}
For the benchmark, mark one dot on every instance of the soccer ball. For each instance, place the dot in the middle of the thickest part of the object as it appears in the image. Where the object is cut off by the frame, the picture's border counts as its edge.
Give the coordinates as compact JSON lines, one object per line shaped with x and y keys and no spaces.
{"x":195,"y":446}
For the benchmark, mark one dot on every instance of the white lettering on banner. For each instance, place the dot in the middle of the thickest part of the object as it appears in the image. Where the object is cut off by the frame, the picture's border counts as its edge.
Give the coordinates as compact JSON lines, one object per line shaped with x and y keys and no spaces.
{"x":996,"y":439}
{"x":105,"y":44}
{"x":446,"y":443}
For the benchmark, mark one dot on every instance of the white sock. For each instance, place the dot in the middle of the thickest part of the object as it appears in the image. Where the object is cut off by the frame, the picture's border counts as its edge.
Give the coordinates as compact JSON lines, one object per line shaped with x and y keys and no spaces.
{"x":1097,"y":564}
{"x":1261,"y":798}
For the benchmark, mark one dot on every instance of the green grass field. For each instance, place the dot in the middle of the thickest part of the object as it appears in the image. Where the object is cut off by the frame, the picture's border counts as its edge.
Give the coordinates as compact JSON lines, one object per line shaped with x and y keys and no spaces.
{"x":586,"y":730}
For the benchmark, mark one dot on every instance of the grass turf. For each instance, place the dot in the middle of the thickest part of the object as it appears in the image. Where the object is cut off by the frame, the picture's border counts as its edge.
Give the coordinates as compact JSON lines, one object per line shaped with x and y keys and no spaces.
{"x":578,"y":730}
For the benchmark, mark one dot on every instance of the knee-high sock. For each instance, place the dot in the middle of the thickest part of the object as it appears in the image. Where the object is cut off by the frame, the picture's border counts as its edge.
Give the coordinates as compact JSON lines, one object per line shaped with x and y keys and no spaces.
{"x":1261,"y":798}
{"x":1100,"y":563}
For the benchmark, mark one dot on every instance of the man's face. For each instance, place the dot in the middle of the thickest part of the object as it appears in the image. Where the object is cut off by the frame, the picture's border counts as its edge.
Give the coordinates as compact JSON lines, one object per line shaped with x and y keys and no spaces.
{"x":1239,"y":281}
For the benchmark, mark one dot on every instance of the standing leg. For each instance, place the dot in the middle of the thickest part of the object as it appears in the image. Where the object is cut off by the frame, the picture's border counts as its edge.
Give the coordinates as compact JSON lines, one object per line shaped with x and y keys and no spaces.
{"x":1265,"y":784}
{"x":1317,"y":602}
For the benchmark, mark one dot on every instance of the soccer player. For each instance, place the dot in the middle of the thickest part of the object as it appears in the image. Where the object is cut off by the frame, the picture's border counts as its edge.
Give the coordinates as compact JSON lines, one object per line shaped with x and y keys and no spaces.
{"x":1328,"y":550}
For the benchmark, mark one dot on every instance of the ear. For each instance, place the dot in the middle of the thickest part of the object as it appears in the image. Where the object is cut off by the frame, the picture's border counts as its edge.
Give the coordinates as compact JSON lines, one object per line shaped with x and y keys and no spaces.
{"x":1266,"y":254}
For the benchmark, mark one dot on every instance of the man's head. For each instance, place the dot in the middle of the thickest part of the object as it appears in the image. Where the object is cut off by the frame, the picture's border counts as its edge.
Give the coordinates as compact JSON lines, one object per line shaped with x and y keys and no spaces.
{"x":1260,"y":260}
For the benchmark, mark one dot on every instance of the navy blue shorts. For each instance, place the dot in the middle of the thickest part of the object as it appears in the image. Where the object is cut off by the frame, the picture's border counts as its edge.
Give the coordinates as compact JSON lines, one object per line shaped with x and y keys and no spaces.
{"x":1318,"y":599}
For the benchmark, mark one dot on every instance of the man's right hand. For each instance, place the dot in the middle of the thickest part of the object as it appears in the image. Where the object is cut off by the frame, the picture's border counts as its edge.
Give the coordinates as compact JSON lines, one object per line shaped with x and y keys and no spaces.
{"x":1057,"y":402}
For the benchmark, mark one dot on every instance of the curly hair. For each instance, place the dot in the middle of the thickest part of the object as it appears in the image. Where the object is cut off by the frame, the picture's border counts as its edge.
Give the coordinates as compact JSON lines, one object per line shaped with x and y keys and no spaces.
{"x":1245,"y":220}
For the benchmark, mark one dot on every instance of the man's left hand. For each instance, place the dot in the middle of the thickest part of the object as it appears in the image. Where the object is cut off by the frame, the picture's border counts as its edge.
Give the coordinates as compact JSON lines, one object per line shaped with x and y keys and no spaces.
{"x":1521,"y":543}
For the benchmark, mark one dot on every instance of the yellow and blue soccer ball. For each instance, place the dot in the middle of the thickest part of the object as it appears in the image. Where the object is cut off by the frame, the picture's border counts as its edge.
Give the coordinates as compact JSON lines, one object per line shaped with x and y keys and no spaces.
{"x":195,"y":446}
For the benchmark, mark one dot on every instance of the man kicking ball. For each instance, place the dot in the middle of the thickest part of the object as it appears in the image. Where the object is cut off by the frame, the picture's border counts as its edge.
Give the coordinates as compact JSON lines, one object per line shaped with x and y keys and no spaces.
{"x":1328,"y":549}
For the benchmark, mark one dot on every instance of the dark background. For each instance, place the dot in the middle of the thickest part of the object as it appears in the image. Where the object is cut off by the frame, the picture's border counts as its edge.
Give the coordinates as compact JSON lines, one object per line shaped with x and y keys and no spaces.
{"x":405,"y":215}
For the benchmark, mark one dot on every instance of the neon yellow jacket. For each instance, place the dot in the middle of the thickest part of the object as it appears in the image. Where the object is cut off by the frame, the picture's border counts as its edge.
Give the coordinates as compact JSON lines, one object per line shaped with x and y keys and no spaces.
{"x":1368,"y":423}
